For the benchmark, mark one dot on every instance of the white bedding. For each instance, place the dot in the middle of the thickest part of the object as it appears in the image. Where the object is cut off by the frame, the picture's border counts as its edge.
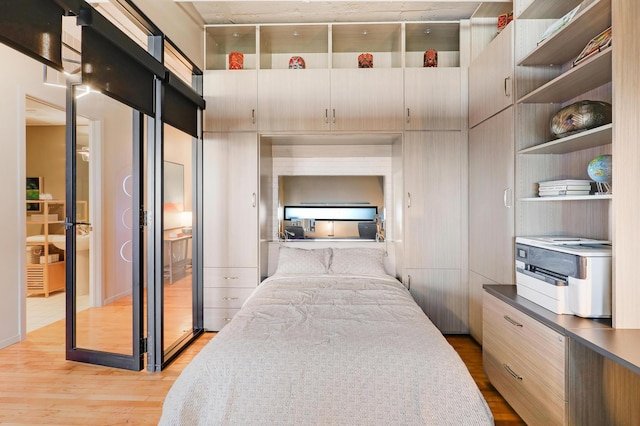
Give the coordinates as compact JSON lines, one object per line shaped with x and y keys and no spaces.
{"x":327,"y":349}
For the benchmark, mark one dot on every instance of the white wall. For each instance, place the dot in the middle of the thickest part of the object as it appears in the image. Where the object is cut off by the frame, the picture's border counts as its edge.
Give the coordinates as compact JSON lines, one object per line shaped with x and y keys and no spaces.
{"x":180,"y":23}
{"x":19,"y":76}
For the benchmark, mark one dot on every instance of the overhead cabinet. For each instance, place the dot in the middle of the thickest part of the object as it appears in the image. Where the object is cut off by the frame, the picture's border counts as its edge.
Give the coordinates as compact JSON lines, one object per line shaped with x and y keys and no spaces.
{"x":351,"y":99}
{"x":232,"y":100}
{"x":491,"y":78}
{"x":332,"y":93}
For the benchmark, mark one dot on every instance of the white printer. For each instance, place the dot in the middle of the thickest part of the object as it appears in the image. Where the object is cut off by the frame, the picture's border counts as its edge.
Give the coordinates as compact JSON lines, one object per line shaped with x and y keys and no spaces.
{"x":565,"y":275}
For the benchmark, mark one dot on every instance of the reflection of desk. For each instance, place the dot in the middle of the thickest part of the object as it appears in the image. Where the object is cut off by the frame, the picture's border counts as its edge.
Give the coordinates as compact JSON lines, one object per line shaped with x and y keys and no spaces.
{"x":178,"y":254}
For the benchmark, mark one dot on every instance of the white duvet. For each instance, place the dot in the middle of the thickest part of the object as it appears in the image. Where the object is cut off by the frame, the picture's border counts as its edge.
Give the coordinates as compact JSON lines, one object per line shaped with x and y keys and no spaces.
{"x":322,"y":350}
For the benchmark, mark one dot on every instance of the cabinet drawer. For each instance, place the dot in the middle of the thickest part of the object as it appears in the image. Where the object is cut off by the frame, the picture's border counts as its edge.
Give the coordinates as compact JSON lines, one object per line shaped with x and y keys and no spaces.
{"x":215,"y":319}
{"x":521,"y":390}
{"x":225,"y":297}
{"x":525,"y":361}
{"x":230,"y":277}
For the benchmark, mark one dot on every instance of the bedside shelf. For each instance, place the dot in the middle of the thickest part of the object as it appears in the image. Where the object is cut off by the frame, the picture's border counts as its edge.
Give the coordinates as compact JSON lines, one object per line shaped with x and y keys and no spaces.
{"x":583,"y":140}
{"x":574,"y":198}
{"x":591,"y":73}
{"x":567,"y":43}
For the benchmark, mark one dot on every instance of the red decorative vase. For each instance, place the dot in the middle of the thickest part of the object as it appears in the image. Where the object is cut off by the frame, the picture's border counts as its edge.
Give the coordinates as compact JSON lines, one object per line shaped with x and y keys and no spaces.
{"x":236,"y":61}
{"x":431,"y":58}
{"x":365,"y":60}
{"x":297,"y":62}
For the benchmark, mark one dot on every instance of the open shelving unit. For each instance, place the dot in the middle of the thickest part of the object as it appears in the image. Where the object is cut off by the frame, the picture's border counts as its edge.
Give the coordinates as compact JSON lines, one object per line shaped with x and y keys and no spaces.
{"x":45,"y":270}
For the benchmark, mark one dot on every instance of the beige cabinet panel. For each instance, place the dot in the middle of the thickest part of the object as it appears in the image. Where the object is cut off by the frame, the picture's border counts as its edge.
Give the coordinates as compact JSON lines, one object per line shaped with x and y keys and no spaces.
{"x":230,"y":210}
{"x":491,"y":78}
{"x":491,"y":198}
{"x":232,"y":100}
{"x":476,"y":281}
{"x":525,"y":361}
{"x":293,"y":100}
{"x":366,"y":99}
{"x":442,"y":296}
{"x":432,"y":99}
{"x":433,"y":204}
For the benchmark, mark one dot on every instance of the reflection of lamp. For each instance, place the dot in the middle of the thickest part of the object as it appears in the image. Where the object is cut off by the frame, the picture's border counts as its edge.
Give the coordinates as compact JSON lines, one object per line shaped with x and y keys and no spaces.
{"x":186,"y":218}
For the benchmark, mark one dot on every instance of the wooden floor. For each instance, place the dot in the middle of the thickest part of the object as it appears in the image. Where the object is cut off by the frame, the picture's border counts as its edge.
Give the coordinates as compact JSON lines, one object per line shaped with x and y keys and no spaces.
{"x":471,"y":353}
{"x":37,"y":385}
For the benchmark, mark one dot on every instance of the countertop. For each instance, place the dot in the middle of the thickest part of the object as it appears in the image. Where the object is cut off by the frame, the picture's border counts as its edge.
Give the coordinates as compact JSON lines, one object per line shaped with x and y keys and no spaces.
{"x":620,"y":345}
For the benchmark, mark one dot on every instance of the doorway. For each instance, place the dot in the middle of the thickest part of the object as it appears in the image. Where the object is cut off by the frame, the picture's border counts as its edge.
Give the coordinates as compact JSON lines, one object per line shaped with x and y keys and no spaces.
{"x":45,"y":170}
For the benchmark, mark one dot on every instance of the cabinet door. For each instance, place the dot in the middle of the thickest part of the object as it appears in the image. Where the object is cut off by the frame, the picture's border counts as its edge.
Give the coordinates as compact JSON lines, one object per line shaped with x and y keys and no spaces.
{"x":291,"y":100}
{"x":366,"y":99}
{"x":491,"y":78}
{"x":491,"y":212}
{"x":433,"y":219}
{"x":232,"y":100}
{"x":230,"y":212}
{"x":432,"y":99}
{"x":442,"y":296}
{"x":476,"y":281}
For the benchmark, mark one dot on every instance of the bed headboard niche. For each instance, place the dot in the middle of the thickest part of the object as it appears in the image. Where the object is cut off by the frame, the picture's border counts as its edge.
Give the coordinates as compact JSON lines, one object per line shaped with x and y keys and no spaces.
{"x":274,"y":250}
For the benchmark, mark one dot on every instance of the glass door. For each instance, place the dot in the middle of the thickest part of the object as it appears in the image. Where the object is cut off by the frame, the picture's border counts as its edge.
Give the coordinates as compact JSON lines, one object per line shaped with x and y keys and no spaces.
{"x":104,"y":231}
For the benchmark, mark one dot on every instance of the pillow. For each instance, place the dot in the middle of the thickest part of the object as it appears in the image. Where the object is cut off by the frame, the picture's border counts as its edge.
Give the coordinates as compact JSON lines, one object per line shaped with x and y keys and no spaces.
{"x":303,"y":261}
{"x":357,"y":261}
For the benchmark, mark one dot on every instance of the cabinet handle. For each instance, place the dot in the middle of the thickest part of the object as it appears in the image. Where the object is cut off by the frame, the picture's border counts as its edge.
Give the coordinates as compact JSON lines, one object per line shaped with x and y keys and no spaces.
{"x":333,"y":116}
{"x":226,"y":319}
{"x":253,"y":116}
{"x":408,"y":282}
{"x":507,"y":198}
{"x":230,"y":278}
{"x":253,"y":199}
{"x":512,"y":373}
{"x":408,"y":200}
{"x":229,"y":298}
{"x":512,"y":321}
{"x":507,"y":93}
{"x":408,"y":115}
{"x":326,"y":115}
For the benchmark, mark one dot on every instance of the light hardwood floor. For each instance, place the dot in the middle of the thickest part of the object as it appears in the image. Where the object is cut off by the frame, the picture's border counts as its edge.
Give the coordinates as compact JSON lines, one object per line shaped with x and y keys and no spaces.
{"x":38,"y":386}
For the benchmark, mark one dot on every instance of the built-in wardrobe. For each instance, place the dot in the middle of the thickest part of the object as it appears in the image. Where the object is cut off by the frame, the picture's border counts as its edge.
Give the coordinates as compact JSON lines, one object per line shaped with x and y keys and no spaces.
{"x":399,"y":120}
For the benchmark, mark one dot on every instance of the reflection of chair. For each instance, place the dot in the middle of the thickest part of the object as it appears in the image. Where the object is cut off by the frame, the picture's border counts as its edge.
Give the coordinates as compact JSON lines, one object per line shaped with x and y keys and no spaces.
{"x":367,"y":230}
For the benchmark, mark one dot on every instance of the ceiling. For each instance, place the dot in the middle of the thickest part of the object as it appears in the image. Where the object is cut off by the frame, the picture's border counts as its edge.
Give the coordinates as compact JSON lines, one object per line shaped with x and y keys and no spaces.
{"x":309,"y":11}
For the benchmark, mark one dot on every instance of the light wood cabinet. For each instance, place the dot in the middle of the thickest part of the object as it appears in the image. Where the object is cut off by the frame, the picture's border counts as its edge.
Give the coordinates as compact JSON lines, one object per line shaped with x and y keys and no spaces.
{"x":366,"y":99}
{"x":491,"y":78}
{"x":230,"y":210}
{"x":525,"y":361}
{"x":232,"y":100}
{"x":433,"y":227}
{"x":230,"y":224}
{"x":294,"y":100}
{"x":491,"y":203}
{"x":225,"y":291}
{"x":476,"y":282}
{"x":432,"y":99}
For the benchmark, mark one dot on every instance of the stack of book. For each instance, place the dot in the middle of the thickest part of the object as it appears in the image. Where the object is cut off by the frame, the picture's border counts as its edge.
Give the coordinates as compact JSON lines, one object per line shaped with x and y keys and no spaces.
{"x":564,"y":187}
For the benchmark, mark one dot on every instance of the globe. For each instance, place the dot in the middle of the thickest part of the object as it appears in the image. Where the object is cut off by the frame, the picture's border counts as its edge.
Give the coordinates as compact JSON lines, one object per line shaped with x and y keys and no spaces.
{"x":599,"y":169}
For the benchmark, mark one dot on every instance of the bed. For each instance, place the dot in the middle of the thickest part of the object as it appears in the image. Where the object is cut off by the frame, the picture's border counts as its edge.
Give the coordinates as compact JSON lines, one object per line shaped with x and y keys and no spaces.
{"x":330,"y":338}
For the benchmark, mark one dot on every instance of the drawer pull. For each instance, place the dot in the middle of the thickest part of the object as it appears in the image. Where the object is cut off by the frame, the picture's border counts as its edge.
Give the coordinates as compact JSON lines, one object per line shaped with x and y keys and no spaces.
{"x":512,"y":321}
{"x":229,"y":298}
{"x":226,"y":319}
{"x":512,"y":373}
{"x":230,"y":278}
